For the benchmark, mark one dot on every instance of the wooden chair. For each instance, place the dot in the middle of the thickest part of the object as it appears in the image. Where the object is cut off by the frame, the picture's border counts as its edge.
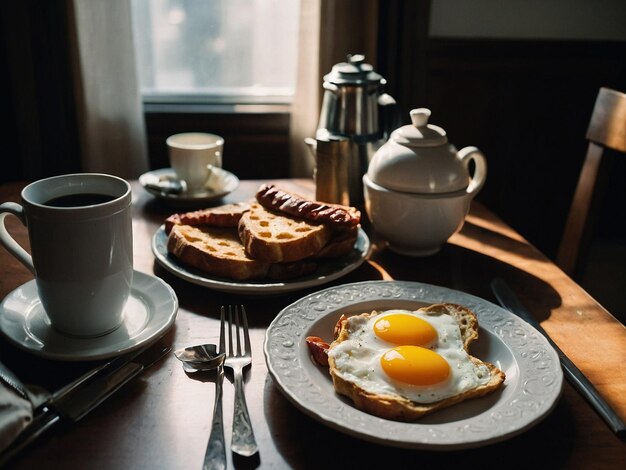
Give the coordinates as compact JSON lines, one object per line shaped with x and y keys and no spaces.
{"x":607,"y":129}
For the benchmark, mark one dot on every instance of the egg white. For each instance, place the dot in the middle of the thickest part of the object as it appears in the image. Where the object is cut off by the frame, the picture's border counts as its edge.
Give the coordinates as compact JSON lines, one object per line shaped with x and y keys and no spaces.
{"x":357,"y":360}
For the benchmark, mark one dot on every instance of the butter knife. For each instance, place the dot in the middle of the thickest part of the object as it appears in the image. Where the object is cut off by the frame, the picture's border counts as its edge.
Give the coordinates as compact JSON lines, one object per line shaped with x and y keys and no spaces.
{"x":507,"y":298}
{"x":74,"y":401}
{"x":9,"y":379}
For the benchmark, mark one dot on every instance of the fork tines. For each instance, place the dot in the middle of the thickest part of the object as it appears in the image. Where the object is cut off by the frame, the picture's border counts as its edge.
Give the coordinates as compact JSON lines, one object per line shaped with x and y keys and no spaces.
{"x":240,"y":319}
{"x":243,"y":441}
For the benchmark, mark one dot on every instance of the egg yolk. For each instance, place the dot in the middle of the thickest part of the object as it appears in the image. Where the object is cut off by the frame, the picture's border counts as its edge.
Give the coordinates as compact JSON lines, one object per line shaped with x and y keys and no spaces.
{"x":415,"y":365}
{"x":405,"y":329}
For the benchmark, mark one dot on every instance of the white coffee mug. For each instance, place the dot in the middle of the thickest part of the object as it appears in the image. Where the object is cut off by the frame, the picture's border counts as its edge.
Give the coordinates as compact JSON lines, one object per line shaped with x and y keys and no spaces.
{"x":193,"y":155}
{"x":80,"y":232}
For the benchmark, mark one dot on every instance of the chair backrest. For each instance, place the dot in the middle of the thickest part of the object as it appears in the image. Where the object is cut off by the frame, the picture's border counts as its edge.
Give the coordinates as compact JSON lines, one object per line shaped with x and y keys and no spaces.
{"x":607,"y":129}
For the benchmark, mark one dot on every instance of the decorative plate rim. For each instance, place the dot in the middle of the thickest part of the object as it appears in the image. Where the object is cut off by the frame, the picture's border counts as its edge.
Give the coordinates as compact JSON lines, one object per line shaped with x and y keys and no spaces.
{"x":536,"y":388}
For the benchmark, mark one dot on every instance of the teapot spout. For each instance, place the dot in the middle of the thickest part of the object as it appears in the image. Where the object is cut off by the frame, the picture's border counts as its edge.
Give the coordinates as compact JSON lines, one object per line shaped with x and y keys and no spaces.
{"x":390,"y":116}
{"x":311,"y":143}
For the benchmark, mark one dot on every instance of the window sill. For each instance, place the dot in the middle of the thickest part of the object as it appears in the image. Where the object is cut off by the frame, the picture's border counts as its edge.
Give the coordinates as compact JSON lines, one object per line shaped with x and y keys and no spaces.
{"x":256,"y":135}
{"x":216,"y":108}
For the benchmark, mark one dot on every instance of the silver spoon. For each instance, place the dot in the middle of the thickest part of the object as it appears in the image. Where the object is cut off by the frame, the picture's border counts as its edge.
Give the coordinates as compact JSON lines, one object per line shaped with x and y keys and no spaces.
{"x":202,"y":358}
{"x":168,"y":186}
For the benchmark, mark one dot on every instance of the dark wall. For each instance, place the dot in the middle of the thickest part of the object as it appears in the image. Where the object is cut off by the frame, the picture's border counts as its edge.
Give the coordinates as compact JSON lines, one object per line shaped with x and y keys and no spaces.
{"x":526,"y":105}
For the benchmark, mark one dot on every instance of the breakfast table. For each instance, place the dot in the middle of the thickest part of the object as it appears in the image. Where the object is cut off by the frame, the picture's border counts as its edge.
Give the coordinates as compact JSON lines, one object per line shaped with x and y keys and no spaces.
{"x":161,"y":419}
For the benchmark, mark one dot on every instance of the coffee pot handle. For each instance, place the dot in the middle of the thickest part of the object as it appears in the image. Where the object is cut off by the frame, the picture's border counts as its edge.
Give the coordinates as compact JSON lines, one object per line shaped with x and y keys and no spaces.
{"x":7,"y":240}
{"x":468,"y":154}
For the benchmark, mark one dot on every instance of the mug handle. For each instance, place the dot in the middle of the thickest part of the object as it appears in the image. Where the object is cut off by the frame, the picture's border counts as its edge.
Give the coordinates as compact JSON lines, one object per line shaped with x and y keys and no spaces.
{"x":7,"y":240}
{"x":468,"y":154}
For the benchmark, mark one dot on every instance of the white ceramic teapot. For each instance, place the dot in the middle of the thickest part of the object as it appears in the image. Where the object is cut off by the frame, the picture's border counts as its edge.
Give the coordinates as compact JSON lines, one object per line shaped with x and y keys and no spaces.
{"x":418,"y":187}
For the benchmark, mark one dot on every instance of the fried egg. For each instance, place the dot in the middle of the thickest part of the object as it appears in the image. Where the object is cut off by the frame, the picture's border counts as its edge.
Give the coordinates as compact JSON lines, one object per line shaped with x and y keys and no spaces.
{"x":412,"y":354}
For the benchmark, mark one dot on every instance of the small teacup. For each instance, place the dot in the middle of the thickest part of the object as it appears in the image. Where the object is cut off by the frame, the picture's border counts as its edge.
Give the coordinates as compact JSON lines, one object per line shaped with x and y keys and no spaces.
{"x":193,"y":155}
{"x":80,"y":232}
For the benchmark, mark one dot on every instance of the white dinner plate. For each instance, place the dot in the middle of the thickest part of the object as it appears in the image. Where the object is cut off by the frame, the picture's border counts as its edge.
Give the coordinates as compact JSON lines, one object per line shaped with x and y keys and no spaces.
{"x":531,"y":389}
{"x":221,"y":183}
{"x":328,"y":270}
{"x":150,"y":311}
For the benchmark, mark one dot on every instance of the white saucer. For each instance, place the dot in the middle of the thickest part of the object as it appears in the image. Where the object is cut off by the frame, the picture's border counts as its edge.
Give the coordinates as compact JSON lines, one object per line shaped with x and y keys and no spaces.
{"x":149,"y":312}
{"x":221,"y":183}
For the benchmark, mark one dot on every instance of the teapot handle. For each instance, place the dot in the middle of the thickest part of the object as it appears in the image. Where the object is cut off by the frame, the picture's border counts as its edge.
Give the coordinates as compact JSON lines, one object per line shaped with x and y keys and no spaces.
{"x":468,"y":154}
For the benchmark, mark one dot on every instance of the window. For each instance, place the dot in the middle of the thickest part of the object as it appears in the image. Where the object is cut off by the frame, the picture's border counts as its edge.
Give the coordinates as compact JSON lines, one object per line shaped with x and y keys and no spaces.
{"x":216,"y":51}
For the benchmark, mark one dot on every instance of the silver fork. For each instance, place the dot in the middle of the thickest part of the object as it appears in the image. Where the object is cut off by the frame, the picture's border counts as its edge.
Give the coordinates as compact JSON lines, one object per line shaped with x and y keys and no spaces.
{"x":243,"y":442}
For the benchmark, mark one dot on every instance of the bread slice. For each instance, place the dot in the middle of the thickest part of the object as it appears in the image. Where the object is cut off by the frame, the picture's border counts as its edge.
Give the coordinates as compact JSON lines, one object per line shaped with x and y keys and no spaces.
{"x":219,"y":252}
{"x":227,"y":215}
{"x":275,"y":238}
{"x":401,"y":409}
{"x":214,"y":250}
{"x":340,"y":244}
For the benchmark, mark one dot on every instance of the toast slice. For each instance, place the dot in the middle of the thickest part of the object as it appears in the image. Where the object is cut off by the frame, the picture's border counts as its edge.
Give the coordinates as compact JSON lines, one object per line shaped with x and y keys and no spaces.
{"x":276,"y":238}
{"x":218,"y":251}
{"x":395,"y":407}
{"x":340,"y":244}
{"x":227,"y":215}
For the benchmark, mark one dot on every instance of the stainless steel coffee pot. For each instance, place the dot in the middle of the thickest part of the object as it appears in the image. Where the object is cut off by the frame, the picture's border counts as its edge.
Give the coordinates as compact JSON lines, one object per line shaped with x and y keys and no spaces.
{"x":353,"y":99}
{"x":354,"y":107}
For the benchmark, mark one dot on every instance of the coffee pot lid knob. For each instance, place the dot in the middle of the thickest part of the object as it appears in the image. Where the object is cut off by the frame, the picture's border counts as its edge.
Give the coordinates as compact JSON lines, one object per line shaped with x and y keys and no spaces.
{"x":355,"y":71}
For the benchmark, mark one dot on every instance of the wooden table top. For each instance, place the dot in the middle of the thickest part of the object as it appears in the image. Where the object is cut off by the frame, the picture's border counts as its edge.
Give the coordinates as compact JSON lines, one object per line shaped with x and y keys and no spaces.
{"x":162,"y":419}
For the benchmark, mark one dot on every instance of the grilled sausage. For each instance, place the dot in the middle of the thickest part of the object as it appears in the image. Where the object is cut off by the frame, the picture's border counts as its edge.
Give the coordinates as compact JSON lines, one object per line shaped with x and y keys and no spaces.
{"x":276,"y":199}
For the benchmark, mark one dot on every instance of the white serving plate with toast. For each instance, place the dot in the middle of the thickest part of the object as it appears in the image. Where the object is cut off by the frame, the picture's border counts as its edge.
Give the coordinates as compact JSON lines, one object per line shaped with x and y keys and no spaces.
{"x":328,"y":270}
{"x":531,"y":390}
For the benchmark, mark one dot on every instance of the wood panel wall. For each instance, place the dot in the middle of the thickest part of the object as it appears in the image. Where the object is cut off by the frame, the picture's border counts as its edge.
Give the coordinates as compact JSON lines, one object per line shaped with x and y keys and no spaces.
{"x":526,"y":105}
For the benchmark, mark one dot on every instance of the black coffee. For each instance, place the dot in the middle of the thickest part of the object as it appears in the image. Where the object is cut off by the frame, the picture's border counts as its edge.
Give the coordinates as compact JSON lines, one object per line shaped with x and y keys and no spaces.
{"x":78,"y":200}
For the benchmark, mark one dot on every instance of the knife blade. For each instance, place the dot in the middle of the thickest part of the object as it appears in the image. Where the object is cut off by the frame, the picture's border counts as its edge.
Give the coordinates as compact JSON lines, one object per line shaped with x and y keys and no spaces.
{"x":507,"y":298}
{"x":74,"y":401}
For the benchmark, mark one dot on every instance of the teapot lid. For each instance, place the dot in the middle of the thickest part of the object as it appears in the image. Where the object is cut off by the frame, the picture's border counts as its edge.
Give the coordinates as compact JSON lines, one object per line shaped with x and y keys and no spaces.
{"x":418,"y":159}
{"x":419,"y":133}
{"x":353,"y":72}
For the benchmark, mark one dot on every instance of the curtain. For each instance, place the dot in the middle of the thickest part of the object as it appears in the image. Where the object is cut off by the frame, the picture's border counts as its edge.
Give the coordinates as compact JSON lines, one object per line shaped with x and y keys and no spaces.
{"x":109,"y":111}
{"x":329,"y":31}
{"x":39,"y":130}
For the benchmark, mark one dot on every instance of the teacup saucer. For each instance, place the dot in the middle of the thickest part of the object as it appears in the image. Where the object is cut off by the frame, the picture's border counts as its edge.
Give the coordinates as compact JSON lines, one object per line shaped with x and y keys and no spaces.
{"x":150,"y":311}
{"x":220,"y":183}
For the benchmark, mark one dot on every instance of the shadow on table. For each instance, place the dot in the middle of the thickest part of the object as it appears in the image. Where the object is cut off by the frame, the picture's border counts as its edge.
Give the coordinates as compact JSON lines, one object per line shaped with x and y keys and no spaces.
{"x":322,"y":447}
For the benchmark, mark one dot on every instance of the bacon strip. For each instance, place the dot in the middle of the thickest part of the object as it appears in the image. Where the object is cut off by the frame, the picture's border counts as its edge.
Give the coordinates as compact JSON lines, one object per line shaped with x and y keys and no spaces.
{"x":227,"y":215}
{"x":319,"y":349}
